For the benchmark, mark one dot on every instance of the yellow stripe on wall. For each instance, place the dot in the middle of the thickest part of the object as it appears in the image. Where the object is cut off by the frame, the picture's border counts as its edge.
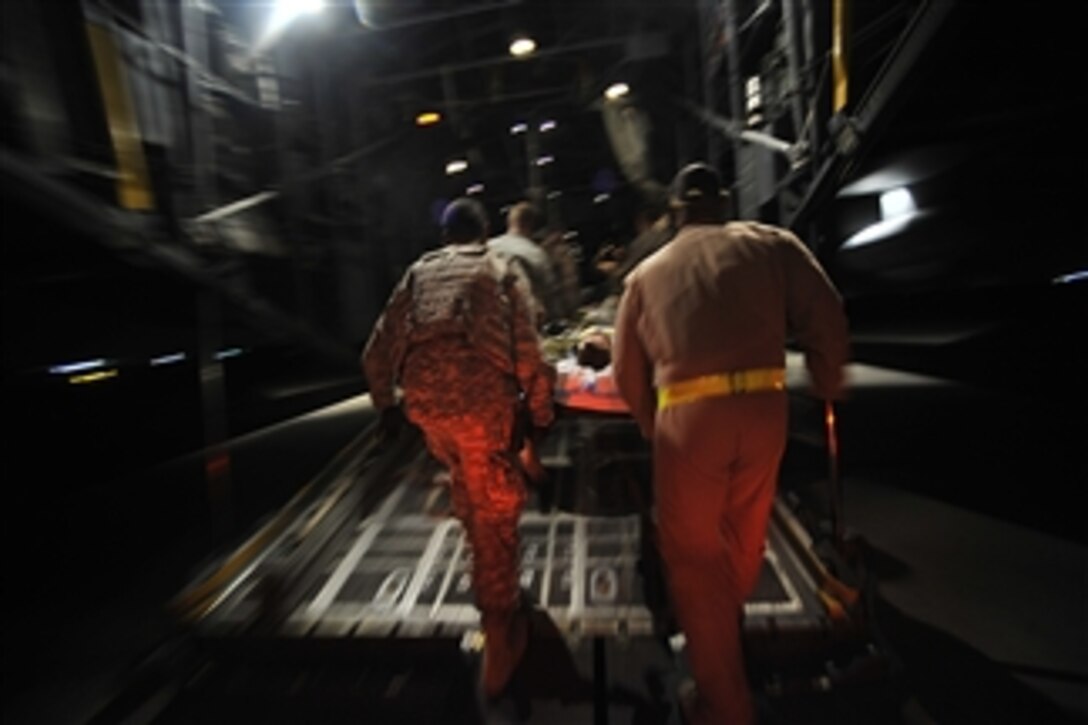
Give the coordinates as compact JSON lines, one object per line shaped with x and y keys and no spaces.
{"x":840,"y":73}
{"x":133,"y":185}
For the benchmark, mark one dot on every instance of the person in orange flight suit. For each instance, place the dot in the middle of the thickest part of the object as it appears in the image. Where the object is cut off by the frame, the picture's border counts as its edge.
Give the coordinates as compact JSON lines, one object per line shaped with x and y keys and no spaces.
{"x":457,"y":335}
{"x":699,"y":355}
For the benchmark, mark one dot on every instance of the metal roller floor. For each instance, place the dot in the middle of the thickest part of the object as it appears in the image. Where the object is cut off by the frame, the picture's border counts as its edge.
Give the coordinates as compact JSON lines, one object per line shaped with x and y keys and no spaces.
{"x":367,"y":566}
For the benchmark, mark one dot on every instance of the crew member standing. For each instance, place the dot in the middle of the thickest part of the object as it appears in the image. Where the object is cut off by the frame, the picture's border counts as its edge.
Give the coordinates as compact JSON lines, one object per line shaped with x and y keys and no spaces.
{"x":529,"y":258}
{"x":699,"y":355}
{"x":458,"y":338}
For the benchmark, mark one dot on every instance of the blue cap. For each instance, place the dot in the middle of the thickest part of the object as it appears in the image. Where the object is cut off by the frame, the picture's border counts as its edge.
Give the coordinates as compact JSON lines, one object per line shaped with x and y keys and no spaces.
{"x":464,"y":220}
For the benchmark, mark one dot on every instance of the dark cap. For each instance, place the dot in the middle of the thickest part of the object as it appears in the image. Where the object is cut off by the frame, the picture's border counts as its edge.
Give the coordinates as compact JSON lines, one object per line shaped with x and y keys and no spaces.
{"x":695,"y":183}
{"x":464,"y":220}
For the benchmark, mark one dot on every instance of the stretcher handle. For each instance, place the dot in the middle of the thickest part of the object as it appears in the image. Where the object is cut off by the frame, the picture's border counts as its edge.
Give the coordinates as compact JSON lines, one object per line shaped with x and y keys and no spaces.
{"x":834,"y":482}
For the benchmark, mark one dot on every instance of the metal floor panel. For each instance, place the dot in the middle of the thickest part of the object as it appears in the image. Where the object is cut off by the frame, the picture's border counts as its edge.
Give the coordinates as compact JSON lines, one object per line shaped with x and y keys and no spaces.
{"x":409,"y":576}
{"x":403,"y":569}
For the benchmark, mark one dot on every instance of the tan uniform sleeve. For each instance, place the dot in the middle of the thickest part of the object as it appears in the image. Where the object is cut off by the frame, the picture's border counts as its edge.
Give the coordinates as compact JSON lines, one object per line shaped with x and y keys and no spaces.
{"x":632,"y":368}
{"x":816,"y":319}
{"x":384,"y":350}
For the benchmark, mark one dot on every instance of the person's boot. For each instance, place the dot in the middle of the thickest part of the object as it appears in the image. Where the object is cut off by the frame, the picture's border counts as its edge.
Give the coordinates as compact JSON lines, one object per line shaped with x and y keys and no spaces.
{"x":506,"y":637}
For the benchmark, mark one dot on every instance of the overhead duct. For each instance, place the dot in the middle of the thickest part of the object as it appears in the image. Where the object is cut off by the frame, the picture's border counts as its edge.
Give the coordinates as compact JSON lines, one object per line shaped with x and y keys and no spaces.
{"x":628,"y":129}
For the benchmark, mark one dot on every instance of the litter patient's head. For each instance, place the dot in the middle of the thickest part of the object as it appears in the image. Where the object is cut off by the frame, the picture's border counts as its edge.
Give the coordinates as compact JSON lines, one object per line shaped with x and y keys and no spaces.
{"x":594,"y":349}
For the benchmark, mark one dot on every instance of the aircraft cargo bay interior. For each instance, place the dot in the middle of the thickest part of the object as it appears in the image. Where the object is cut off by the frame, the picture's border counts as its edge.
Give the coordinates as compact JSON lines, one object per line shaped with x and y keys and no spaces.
{"x":544,"y":361}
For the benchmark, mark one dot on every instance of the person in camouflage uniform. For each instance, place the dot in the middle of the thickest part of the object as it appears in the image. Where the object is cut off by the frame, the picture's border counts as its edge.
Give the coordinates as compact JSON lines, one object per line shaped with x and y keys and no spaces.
{"x":457,"y":336}
{"x":527,"y":257}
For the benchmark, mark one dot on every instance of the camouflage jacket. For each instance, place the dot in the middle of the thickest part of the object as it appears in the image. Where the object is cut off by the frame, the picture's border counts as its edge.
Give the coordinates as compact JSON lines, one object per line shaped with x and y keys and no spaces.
{"x":460,"y":290}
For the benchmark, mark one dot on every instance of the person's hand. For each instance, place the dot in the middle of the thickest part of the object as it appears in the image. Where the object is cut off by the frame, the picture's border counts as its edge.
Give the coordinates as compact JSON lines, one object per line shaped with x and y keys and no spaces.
{"x":529,"y":456}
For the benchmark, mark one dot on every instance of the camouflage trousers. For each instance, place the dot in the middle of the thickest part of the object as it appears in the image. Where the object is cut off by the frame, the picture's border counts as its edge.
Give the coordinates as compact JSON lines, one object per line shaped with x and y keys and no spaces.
{"x":465,"y":409}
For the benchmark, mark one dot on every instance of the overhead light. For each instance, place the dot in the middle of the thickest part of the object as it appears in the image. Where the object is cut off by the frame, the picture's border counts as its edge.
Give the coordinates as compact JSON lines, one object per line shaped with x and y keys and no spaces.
{"x":96,"y":376}
{"x":287,"y":10}
{"x":475,"y":189}
{"x":1081,"y":276}
{"x":897,"y":213}
{"x":228,"y":353}
{"x":428,"y":118}
{"x":616,"y":90}
{"x":519,"y":128}
{"x":294,"y":8}
{"x":546,"y":126}
{"x":554,"y":194}
{"x":77,"y":367}
{"x":896,"y":203}
{"x":175,"y":357}
{"x":600,"y":198}
{"x":544,"y":160}
{"x":456,"y":166}
{"x":522,"y":46}
{"x":885,"y":230}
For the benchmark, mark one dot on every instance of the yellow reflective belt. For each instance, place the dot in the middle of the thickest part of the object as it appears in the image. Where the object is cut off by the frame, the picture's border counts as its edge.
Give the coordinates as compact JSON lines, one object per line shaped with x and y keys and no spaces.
{"x":740,"y":381}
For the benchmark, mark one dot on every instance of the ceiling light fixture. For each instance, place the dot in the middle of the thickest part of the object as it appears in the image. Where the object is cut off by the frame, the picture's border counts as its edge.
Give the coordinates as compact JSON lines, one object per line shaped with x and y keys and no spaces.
{"x":93,"y":377}
{"x":616,"y":91}
{"x":174,"y":357}
{"x":428,"y":118}
{"x":286,"y":11}
{"x":1080,"y":276}
{"x":546,"y":126}
{"x":896,"y":202}
{"x":77,"y":367}
{"x":456,"y":166}
{"x":522,"y":46}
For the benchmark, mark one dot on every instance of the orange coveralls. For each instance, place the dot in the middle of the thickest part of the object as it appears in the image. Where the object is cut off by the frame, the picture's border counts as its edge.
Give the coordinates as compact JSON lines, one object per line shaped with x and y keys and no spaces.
{"x":719,"y":299}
